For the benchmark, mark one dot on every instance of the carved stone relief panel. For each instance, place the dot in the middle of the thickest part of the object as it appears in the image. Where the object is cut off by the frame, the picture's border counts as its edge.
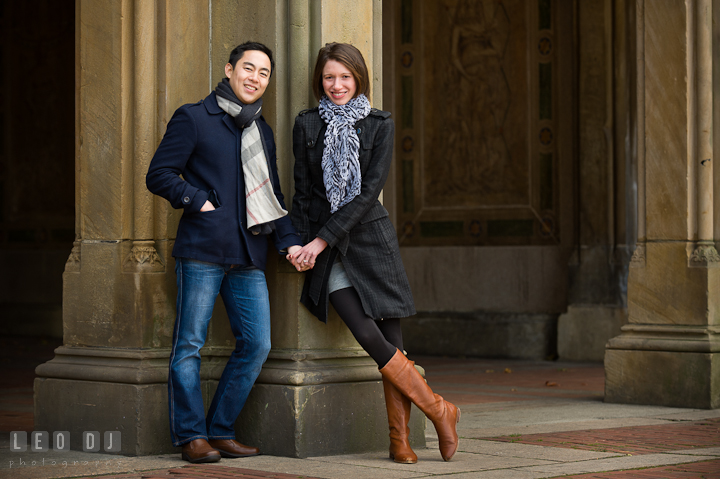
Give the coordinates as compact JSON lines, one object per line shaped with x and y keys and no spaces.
{"x":477,"y":162}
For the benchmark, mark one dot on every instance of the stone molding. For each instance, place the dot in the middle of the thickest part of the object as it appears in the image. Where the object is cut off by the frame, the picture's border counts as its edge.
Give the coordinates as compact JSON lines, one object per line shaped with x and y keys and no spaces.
{"x":143,"y":258}
{"x":704,"y":256}
{"x":295,"y":367}
{"x":129,"y":366}
{"x":149,"y":366}
{"x":677,"y":338}
{"x":638,"y":257}
{"x":73,"y":262}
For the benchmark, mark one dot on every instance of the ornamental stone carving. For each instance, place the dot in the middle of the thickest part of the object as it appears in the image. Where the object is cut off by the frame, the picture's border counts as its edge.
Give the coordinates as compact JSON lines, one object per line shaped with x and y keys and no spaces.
{"x":638,"y":257}
{"x":705,"y":255}
{"x":72,"y":265}
{"x":143,"y":257}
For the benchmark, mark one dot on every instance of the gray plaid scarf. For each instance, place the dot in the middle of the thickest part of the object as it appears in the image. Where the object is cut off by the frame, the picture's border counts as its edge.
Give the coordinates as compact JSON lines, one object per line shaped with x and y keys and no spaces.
{"x":340,"y":160}
{"x":261,"y":204}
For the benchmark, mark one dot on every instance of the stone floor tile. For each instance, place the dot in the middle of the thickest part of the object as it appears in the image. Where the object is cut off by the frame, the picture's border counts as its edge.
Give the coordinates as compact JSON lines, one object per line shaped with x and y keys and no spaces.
{"x":530,"y":451}
{"x":323,"y":469}
{"x":430,"y":462}
{"x":696,"y":470}
{"x":707,"y":451}
{"x":691,"y":415}
{"x":636,"y":440}
{"x":615,"y":464}
{"x":74,"y":464}
{"x":494,"y":474}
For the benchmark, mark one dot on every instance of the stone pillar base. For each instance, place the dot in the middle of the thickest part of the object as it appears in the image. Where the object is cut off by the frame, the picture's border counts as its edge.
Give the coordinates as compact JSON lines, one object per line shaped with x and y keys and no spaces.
{"x":677,"y":366}
{"x":305,"y":402}
{"x":319,"y":403}
{"x":104,"y":389}
{"x":584,"y":331}
{"x":139,"y":412}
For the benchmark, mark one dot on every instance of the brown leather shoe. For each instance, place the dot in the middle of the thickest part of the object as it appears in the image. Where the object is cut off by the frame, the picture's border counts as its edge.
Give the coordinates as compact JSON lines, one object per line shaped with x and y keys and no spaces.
{"x":232,"y":448}
{"x":198,"y":451}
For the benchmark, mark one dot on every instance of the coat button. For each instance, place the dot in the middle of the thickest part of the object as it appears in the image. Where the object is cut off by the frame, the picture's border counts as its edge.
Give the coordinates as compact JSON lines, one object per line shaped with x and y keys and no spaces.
{"x":186,"y":200}
{"x":310,"y":143}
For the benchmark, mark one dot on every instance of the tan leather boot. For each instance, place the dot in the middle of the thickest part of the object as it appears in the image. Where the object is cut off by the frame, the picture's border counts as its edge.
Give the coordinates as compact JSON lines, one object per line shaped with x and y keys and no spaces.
{"x":443,"y":414}
{"x":398,"y":411}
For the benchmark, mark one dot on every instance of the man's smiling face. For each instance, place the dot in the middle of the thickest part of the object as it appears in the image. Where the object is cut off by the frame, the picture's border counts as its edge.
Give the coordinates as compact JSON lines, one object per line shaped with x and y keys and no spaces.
{"x":250,"y":77}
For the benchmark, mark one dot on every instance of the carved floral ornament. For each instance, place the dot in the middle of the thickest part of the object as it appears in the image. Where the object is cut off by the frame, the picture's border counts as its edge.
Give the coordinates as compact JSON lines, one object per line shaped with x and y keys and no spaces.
{"x":73,"y":261}
{"x":705,"y":254}
{"x":144,"y":256}
{"x":638,"y":257}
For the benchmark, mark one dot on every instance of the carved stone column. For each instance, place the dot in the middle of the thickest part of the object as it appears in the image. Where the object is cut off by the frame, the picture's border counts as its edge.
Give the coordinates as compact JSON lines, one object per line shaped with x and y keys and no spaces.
{"x":119,"y":281}
{"x":319,"y":393}
{"x":669,"y":354}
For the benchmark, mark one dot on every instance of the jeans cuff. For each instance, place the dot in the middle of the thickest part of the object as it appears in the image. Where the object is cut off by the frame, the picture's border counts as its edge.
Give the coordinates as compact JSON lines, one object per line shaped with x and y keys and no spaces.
{"x":182,"y":442}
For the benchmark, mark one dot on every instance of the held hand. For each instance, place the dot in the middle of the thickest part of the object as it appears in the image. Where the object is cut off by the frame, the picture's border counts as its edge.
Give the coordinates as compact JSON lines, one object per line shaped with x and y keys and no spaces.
{"x":292,"y":252}
{"x":308,"y":254}
{"x":207,"y":207}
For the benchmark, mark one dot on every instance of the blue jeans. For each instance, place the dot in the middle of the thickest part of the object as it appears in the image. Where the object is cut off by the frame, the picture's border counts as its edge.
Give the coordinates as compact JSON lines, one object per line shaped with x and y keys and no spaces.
{"x":245,"y":294}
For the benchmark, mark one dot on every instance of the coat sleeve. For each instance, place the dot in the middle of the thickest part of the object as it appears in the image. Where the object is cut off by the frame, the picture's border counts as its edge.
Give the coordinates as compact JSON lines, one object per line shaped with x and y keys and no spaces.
{"x":303,"y":184}
{"x":373,"y":181}
{"x":169,"y":161}
{"x":284,"y":234}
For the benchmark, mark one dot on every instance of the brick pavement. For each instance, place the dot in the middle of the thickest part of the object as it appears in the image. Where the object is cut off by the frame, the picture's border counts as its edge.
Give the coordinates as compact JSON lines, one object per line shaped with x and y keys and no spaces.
{"x":696,"y":470}
{"x":630,"y":440}
{"x":204,"y":471}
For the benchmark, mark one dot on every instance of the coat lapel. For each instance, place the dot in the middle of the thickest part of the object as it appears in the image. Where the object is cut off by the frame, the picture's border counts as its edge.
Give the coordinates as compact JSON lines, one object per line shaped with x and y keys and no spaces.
{"x":213,"y":108}
{"x":229,"y":122}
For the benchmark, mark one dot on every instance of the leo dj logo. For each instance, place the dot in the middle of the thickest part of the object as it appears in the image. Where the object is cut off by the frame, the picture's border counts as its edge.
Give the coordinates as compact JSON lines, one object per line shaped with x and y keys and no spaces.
{"x":40,"y":441}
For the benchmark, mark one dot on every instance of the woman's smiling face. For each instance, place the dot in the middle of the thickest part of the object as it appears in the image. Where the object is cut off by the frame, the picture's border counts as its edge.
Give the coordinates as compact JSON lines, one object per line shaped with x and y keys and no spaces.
{"x":338,"y":83}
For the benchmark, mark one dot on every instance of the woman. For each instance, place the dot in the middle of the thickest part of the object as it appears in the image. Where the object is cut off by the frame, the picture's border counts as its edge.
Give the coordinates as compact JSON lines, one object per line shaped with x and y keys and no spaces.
{"x":343,"y":151}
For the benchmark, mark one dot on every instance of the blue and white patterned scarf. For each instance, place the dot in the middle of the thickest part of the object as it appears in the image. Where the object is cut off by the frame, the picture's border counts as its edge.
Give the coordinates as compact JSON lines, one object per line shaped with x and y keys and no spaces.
{"x":340,"y":160}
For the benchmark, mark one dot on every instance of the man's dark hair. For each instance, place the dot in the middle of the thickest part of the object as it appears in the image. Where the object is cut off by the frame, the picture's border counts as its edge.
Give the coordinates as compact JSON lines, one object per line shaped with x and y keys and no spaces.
{"x":240,"y":50}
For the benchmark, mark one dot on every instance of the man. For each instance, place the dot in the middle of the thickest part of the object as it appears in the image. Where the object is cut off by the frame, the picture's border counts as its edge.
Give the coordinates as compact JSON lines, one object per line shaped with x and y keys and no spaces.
{"x":230,"y":193}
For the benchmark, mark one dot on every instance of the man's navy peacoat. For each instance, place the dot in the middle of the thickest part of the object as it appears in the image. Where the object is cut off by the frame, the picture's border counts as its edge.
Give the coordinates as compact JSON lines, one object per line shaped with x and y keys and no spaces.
{"x":202,"y":144}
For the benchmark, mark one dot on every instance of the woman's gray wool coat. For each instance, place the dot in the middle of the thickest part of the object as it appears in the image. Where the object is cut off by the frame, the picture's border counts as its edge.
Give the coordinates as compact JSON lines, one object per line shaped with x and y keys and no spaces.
{"x":360,"y":231}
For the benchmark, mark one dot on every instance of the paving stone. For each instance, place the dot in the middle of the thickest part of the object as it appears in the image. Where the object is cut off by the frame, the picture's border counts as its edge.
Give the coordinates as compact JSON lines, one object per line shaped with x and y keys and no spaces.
{"x":325,"y":469}
{"x":697,"y":470}
{"x":615,"y":464}
{"x":494,"y":474}
{"x":430,"y":462}
{"x":506,"y":450}
{"x":631,"y":440}
{"x":705,"y":451}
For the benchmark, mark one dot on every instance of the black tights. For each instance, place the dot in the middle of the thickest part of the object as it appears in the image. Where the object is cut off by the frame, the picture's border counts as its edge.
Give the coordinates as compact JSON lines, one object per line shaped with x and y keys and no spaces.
{"x":379,"y":338}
